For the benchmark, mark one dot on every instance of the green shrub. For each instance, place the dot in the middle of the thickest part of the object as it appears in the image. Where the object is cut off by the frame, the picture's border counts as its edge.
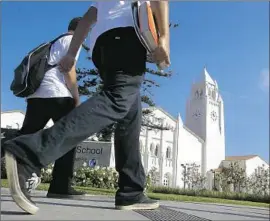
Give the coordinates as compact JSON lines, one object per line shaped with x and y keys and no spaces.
{"x":46,"y":174}
{"x":3,"y":169}
{"x":96,"y":177}
{"x":107,"y":178}
{"x":86,"y":176}
{"x":212,"y":194}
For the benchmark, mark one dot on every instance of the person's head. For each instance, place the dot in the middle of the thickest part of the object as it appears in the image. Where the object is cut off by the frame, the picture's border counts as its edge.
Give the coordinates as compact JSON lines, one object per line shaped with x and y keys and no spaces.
{"x":73,"y":23}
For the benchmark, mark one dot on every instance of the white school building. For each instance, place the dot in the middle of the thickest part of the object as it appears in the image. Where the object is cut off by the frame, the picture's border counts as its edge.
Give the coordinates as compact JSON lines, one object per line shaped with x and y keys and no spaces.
{"x":200,"y":139}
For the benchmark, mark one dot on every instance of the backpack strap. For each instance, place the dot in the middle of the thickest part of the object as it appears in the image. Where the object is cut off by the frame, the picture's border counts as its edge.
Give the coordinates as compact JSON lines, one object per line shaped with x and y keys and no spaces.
{"x":61,"y":36}
{"x":52,"y":42}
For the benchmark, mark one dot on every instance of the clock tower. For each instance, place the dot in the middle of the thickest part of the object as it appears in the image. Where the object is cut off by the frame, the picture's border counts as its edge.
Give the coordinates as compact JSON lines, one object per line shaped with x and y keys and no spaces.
{"x":205,"y":117}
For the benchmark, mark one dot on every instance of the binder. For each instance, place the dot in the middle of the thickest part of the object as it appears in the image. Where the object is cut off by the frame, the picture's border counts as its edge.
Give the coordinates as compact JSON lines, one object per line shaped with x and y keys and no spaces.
{"x":145,"y":27}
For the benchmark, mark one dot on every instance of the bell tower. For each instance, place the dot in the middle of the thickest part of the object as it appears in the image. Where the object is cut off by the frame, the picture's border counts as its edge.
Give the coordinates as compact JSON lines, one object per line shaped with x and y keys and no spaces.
{"x":205,"y":117}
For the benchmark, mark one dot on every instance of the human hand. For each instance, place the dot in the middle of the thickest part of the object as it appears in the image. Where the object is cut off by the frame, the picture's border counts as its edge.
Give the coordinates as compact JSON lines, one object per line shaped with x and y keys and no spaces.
{"x":77,"y":102}
{"x":66,"y":63}
{"x":161,"y":55}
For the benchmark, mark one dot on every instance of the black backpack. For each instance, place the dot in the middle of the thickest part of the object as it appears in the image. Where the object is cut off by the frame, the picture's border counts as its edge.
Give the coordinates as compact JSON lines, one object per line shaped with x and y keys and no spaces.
{"x":31,"y":71}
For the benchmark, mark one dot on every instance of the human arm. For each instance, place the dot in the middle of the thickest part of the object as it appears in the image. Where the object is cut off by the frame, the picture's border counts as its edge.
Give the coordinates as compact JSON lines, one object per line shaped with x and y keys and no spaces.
{"x":89,"y":18}
{"x":161,"y":13}
{"x":71,"y":82}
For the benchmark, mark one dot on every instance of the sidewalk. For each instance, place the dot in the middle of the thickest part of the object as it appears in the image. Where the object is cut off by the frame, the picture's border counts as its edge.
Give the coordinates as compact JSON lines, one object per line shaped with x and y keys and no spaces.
{"x":102,"y":208}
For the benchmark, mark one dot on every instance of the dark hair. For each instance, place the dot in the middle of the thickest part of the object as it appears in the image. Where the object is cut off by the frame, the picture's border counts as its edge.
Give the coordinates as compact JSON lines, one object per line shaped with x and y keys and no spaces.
{"x":73,"y":23}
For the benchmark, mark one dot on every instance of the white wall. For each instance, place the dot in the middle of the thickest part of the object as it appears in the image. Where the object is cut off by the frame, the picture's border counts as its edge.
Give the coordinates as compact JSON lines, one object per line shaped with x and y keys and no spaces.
{"x":152,"y":139}
{"x":253,"y":164}
{"x":189,"y":151}
{"x":241,"y":163}
{"x":249,"y":165}
{"x":14,"y":119}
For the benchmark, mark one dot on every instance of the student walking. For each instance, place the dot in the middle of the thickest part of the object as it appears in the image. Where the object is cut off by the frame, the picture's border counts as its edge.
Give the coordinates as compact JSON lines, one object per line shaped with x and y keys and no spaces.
{"x":56,"y":96}
{"x":121,"y":61}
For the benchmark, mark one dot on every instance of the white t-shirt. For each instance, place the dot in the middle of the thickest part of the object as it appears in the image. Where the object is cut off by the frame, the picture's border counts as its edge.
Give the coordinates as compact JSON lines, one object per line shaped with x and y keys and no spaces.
{"x":53,"y":84}
{"x":110,"y":15}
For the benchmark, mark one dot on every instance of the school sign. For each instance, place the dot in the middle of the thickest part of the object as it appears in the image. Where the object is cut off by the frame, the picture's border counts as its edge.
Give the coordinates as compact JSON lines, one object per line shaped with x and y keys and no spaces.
{"x":94,"y":154}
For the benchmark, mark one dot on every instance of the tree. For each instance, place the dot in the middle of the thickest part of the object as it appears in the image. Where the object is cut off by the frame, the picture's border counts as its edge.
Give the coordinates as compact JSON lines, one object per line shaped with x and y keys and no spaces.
{"x":154,"y":176}
{"x":232,"y":175}
{"x":90,"y":83}
{"x":192,"y":176}
{"x":258,"y":182}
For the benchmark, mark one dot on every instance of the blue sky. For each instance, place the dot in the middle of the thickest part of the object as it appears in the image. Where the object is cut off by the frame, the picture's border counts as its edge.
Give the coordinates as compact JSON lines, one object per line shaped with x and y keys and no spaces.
{"x":231,"y":38}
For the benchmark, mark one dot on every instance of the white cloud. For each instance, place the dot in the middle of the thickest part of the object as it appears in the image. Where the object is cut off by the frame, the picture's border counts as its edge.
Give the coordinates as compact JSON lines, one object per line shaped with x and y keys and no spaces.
{"x":264,"y":79}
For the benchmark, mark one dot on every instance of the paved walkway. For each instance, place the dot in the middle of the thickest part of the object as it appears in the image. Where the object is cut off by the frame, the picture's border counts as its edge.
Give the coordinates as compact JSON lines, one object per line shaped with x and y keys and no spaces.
{"x":102,"y":208}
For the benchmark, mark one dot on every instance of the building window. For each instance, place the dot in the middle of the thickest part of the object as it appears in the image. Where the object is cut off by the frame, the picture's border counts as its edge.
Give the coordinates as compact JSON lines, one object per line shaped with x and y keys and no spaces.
{"x":165,"y":182}
{"x":209,"y":92}
{"x":156,"y":150}
{"x":168,"y":153}
{"x":214,"y":95}
{"x":152,"y":149}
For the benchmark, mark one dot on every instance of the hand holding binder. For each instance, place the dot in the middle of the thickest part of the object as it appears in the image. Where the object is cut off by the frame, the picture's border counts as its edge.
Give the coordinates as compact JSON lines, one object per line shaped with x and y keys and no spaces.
{"x":145,"y":28}
{"x":161,"y":54}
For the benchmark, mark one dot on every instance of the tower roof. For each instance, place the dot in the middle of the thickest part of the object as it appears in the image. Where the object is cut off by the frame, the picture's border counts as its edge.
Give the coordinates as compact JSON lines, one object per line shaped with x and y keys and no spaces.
{"x":206,"y":76}
{"x":179,"y":119}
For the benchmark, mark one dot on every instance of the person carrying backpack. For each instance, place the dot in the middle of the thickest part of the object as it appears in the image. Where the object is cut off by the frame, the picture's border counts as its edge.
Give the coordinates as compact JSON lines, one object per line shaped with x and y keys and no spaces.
{"x":55,"y":95}
{"x":120,"y":58}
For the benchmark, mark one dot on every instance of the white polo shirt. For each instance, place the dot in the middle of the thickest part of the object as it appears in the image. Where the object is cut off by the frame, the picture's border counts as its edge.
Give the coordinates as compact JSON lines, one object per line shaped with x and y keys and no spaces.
{"x":53,"y":84}
{"x":110,"y":15}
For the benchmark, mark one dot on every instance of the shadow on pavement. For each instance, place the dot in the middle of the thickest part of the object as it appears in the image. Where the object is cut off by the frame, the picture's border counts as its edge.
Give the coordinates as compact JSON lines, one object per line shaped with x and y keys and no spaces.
{"x":13,"y":213}
{"x":82,"y":199}
{"x":66,"y":204}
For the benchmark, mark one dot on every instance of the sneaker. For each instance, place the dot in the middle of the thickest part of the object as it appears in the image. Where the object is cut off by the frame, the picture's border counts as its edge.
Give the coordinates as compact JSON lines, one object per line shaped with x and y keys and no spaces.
{"x":32,"y":183}
{"x":17,"y":176}
{"x":143,"y":204}
{"x":70,"y":194}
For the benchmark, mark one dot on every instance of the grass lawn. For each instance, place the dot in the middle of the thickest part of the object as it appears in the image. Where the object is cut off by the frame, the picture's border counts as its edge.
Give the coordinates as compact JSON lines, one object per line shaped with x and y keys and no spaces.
{"x":159,"y":196}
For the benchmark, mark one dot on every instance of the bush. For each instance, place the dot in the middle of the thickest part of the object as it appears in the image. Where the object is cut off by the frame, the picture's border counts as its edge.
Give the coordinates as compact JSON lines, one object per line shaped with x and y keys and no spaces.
{"x":96,"y":177}
{"x":3,"y":169}
{"x":86,"y":176}
{"x":46,"y":174}
{"x":107,"y":178}
{"x":212,"y":194}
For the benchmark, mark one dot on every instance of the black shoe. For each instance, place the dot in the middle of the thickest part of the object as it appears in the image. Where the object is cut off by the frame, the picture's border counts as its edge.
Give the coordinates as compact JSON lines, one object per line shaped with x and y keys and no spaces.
{"x":143,"y":204}
{"x":6,"y":135}
{"x":17,"y":177}
{"x":70,"y":194}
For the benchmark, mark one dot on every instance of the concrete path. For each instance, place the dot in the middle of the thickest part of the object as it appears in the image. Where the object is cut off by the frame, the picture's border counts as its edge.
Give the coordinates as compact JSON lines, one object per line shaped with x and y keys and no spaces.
{"x":102,"y":208}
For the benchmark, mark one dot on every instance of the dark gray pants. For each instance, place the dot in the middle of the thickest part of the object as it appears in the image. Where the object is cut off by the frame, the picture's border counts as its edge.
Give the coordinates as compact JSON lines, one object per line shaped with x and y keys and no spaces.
{"x":38,"y":112}
{"x":121,"y":62}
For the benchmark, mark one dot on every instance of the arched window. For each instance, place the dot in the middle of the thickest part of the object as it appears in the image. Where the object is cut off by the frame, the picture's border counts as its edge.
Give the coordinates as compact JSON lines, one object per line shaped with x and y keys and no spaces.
{"x":166,"y":180}
{"x":168,"y":153}
{"x":157,"y":150}
{"x":209,"y":92}
{"x":214,"y":95}
{"x":152,"y":149}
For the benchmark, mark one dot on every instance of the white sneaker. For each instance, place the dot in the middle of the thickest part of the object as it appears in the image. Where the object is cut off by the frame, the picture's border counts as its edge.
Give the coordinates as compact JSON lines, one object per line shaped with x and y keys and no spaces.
{"x":32,"y":183}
